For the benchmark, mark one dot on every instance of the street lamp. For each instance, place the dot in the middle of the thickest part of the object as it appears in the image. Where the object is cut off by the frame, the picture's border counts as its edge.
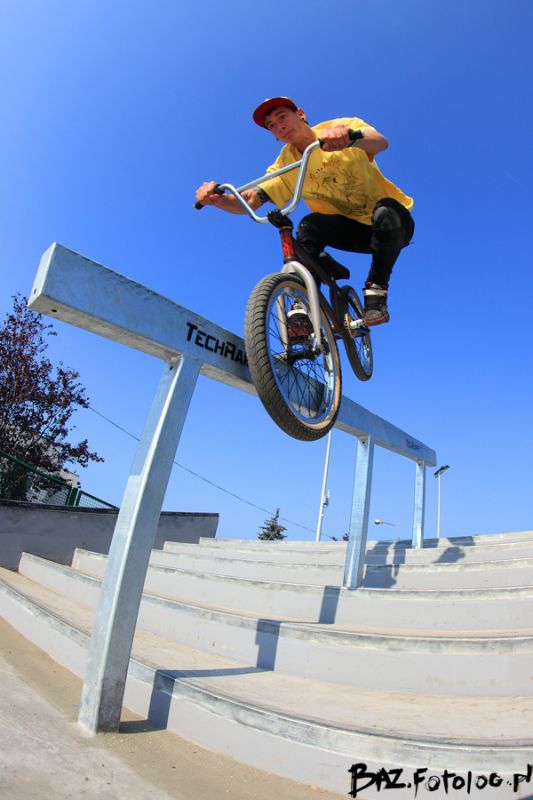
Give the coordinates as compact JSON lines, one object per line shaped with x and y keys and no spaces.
{"x":437,"y":475}
{"x":384,"y":522}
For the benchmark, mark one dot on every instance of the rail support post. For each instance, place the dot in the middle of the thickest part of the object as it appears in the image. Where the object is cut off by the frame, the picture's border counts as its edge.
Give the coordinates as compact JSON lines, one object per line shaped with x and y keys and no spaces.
{"x":419,"y":504}
{"x":120,"y":596}
{"x":355,"y":556}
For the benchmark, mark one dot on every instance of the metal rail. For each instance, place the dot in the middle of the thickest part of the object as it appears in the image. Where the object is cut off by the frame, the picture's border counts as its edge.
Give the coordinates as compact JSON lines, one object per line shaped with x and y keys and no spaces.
{"x":75,"y":289}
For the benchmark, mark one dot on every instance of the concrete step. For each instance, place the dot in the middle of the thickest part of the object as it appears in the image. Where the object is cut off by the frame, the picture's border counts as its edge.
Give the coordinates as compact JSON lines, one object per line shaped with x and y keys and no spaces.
{"x":231,"y":564}
{"x":464,"y":554}
{"x":257,"y":544}
{"x":372,"y":610}
{"x":323,"y":602}
{"x":436,"y":609}
{"x":319,"y":554}
{"x":497,"y":664}
{"x":501,"y":547}
{"x":443,"y":574}
{"x":302,"y":729}
{"x":303,"y":546}
{"x":453,"y":575}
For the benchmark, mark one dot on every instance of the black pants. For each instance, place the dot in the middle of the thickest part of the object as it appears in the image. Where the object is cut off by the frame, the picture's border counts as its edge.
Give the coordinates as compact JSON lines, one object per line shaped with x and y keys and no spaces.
{"x":391,"y":230}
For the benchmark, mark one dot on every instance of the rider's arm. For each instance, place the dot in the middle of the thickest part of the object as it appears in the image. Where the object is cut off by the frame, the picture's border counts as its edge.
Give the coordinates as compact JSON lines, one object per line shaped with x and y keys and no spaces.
{"x":227,"y":202}
{"x":372,"y":142}
{"x":336,"y":138}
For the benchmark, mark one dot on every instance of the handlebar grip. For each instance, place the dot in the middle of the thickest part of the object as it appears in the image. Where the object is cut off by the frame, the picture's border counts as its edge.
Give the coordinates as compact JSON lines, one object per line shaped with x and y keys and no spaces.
{"x":354,"y":137}
{"x":217,"y":190}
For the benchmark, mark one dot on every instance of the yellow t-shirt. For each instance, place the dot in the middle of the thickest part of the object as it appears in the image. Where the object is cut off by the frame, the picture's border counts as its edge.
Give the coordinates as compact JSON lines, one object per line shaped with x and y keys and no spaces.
{"x":346,"y":182}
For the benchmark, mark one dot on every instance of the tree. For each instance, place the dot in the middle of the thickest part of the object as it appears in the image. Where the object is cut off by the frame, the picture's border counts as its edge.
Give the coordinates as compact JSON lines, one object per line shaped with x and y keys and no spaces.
{"x":272,"y":529}
{"x":36,"y":400}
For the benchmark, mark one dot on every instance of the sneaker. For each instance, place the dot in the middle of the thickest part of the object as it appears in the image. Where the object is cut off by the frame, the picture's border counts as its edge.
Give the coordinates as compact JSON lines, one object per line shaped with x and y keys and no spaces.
{"x":298,"y":324}
{"x":376,"y":312}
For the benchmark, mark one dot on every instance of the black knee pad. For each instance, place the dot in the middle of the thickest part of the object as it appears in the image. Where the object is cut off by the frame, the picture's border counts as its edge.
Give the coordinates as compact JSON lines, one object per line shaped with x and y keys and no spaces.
{"x":385,"y":218}
{"x":309,"y":224}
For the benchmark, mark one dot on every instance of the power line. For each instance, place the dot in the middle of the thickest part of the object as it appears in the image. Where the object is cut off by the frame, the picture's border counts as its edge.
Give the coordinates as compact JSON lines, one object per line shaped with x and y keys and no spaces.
{"x":201,"y":477}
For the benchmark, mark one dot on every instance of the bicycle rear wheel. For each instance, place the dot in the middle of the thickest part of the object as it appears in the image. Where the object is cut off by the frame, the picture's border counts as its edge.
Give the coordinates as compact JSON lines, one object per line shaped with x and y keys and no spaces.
{"x":358,"y":347}
{"x":298,"y":383}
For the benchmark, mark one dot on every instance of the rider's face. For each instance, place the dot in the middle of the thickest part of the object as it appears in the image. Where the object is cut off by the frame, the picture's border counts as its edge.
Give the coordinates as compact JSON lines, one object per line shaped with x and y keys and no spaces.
{"x":285,"y":124}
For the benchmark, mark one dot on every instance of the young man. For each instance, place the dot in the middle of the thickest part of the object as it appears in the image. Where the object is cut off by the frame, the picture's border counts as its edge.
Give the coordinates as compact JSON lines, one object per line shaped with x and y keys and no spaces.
{"x":354,"y":207}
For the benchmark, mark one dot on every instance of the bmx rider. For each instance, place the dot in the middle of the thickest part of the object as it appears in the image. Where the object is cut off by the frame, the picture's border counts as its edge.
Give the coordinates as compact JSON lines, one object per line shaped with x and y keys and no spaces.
{"x":353,"y":206}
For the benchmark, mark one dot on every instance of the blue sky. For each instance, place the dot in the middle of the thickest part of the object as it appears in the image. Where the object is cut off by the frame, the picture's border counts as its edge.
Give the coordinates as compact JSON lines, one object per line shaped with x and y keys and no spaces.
{"x":112,"y":113}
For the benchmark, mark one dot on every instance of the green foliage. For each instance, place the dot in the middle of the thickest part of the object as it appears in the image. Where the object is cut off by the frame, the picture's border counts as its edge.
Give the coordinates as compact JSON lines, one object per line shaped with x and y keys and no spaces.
{"x":272,"y":530}
{"x":37,"y":400}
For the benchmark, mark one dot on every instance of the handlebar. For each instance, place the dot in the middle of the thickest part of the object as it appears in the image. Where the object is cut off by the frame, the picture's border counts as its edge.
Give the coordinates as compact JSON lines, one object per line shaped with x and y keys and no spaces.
{"x":302,"y":165}
{"x":216,"y":190}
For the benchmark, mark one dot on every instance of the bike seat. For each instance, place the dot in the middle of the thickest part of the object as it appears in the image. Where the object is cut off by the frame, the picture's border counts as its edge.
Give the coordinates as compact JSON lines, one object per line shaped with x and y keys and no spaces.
{"x":335,"y":269}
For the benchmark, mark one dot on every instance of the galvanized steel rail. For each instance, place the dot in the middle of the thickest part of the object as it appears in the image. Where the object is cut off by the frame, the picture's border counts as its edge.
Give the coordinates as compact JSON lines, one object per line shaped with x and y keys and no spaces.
{"x":75,"y":289}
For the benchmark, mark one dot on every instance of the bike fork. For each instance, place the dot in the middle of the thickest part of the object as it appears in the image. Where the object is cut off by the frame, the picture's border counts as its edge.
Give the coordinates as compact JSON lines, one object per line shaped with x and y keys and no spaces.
{"x":295,"y":268}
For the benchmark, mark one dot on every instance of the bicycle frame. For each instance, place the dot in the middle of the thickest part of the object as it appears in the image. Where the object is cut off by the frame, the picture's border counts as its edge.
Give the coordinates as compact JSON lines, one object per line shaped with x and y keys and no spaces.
{"x":305,"y":267}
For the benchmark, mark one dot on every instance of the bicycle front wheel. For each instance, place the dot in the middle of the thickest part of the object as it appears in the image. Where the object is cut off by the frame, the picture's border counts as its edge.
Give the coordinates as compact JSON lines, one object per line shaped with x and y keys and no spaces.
{"x":299,"y":383}
{"x":358,"y":346}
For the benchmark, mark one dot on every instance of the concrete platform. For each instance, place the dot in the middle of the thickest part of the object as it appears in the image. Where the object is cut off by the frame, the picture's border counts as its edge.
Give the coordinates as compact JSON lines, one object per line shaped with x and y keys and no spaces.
{"x":202,"y":696}
{"x":306,"y":679}
{"x":45,"y":755}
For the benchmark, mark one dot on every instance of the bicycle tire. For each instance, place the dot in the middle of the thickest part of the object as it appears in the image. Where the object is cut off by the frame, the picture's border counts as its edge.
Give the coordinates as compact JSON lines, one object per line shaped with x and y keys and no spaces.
{"x":358,"y":348}
{"x":303,"y":398}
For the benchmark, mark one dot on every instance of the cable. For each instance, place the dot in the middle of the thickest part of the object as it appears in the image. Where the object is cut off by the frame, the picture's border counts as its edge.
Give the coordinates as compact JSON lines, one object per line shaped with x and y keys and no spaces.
{"x":201,"y":477}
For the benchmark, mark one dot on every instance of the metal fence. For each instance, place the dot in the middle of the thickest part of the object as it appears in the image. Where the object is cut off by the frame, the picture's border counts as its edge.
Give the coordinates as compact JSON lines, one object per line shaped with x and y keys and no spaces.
{"x":22,"y":481}
{"x":86,"y":500}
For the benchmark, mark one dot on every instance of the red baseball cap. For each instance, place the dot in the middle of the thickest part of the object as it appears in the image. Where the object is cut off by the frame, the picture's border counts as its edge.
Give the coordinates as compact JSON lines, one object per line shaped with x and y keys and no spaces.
{"x":268,"y":105}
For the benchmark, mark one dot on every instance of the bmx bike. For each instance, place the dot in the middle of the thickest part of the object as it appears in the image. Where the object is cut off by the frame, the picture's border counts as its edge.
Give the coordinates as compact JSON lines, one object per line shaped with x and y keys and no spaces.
{"x":296,"y":368}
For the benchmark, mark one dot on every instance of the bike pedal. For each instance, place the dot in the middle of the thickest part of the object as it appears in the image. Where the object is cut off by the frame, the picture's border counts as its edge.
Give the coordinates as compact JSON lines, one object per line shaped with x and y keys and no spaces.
{"x":355,"y":327}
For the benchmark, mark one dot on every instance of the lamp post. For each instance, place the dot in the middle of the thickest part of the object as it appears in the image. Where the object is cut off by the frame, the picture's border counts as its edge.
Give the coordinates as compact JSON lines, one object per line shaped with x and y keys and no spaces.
{"x":324,"y":499}
{"x":383,"y":522}
{"x":438,"y":474}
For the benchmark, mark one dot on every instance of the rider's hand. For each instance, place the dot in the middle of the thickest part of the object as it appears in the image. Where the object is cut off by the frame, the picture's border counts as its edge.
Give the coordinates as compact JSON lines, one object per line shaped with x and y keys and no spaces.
{"x":335,"y":138}
{"x":206,"y":194}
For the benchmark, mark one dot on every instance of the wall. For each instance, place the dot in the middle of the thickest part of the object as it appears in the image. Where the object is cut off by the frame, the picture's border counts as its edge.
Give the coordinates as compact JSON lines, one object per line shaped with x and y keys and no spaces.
{"x":54,"y":532}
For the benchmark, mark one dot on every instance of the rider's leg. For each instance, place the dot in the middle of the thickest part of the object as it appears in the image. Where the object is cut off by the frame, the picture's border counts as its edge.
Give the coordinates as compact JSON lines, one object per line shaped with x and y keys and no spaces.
{"x":317,"y":231}
{"x":392,"y":229}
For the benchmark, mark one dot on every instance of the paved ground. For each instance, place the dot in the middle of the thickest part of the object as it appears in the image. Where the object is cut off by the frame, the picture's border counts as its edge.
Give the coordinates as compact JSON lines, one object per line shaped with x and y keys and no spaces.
{"x":45,"y":755}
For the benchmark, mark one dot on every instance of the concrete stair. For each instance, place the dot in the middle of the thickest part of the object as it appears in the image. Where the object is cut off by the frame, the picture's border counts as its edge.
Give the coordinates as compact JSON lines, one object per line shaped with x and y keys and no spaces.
{"x":399,"y":569}
{"x":253,"y":649}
